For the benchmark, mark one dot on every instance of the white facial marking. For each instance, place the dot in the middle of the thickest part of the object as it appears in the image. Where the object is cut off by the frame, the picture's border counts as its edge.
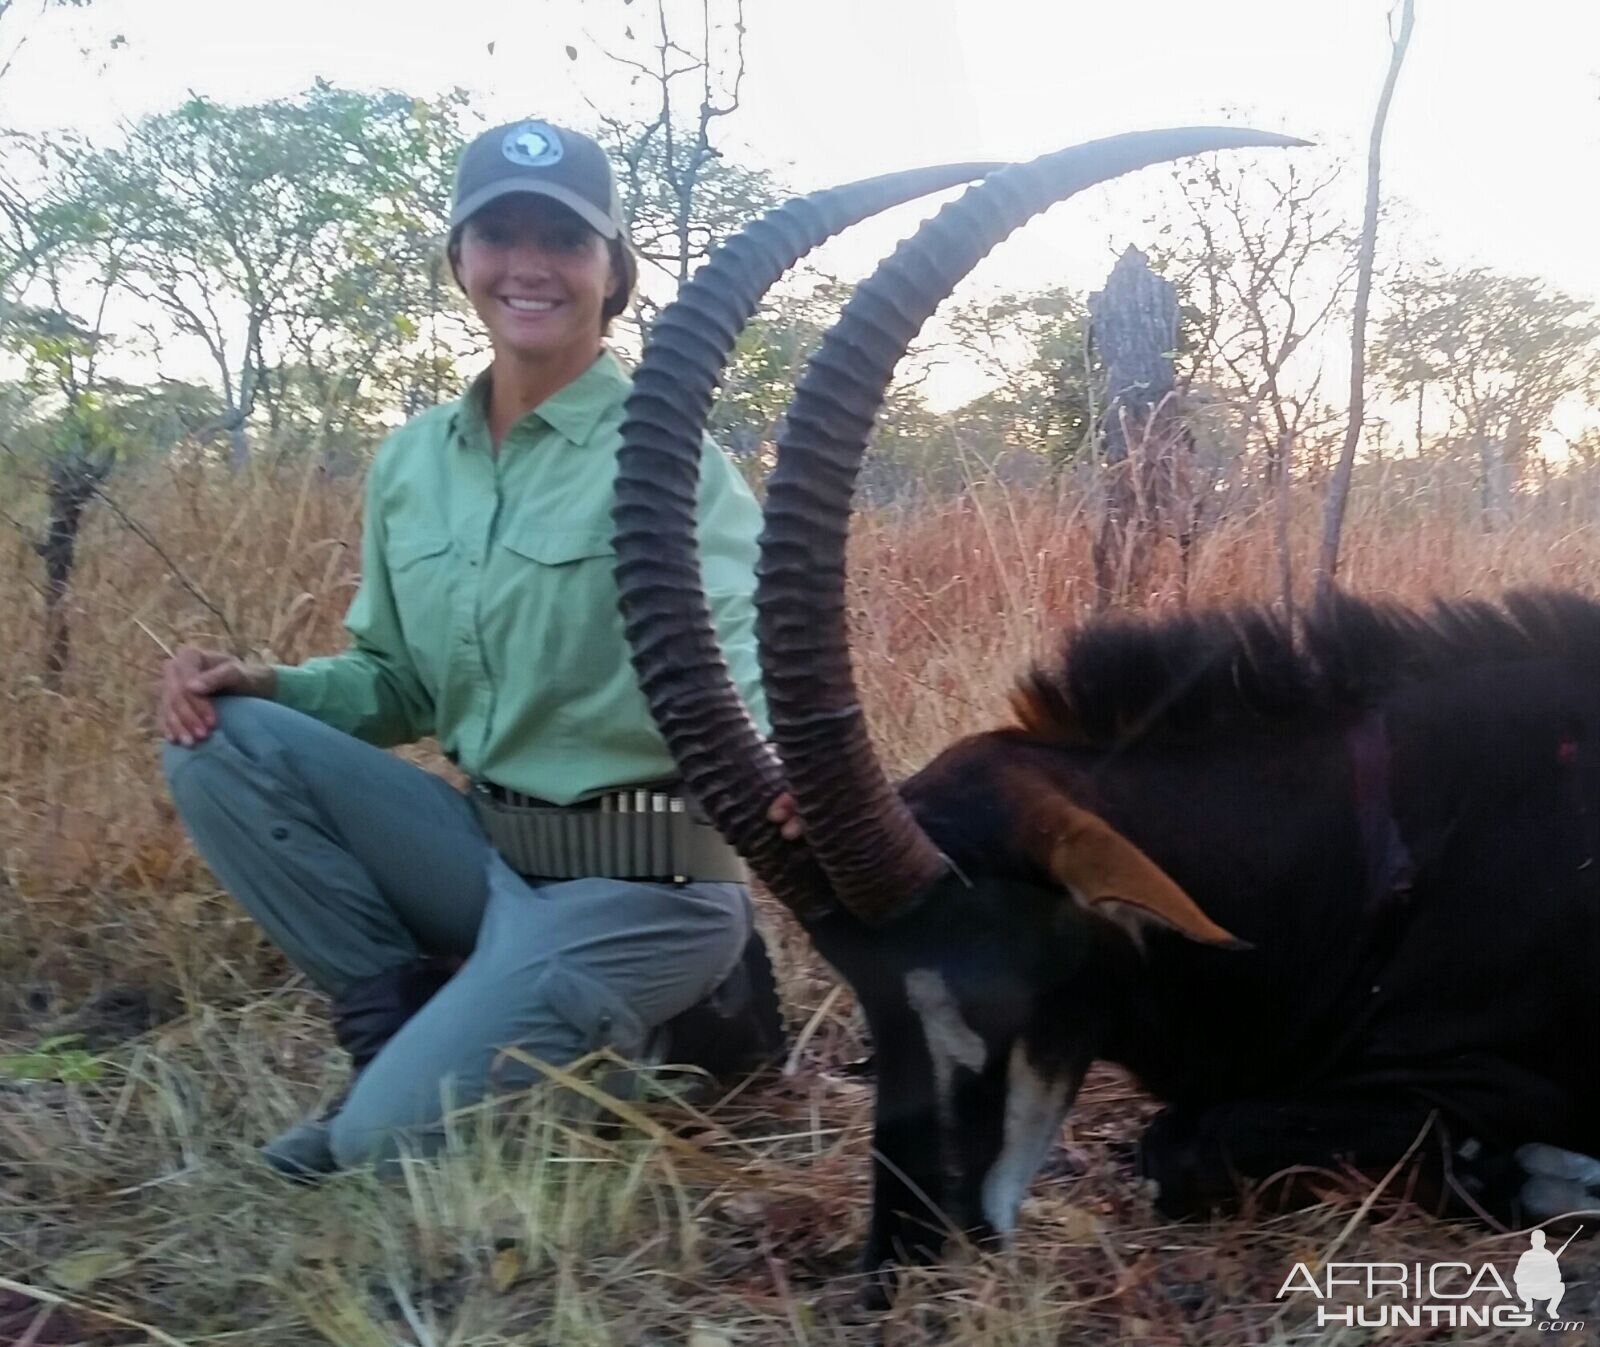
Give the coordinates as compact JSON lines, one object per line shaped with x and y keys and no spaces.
{"x":1035,"y":1105}
{"x":952,"y":1042}
{"x":1555,"y":1163}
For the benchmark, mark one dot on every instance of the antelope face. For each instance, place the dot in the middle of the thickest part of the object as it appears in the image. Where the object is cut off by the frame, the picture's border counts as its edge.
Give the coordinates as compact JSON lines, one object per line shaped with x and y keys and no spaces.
{"x":983,"y":1025}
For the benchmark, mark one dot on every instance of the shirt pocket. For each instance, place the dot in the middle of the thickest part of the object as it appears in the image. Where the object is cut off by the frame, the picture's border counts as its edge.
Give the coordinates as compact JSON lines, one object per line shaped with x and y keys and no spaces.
{"x":419,"y":576}
{"x":557,"y":547}
{"x":555,"y":617}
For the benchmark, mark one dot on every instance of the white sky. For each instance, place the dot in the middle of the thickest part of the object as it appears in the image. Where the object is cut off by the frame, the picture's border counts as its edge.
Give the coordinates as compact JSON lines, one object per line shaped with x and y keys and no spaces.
{"x":1493,"y":141}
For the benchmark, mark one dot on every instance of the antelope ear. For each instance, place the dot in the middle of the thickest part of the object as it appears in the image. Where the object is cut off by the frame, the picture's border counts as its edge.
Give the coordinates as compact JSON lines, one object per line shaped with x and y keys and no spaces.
{"x":1091,"y":858}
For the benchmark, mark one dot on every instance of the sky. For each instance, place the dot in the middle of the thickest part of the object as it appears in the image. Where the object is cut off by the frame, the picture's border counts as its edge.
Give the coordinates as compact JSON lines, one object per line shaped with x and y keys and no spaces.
{"x":1491,"y":151}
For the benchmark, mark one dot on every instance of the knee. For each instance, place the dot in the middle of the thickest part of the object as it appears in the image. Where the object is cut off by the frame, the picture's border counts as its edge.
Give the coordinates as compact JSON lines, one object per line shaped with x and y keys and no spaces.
{"x":250,"y":732}
{"x":249,"y":724}
{"x":255,"y":724}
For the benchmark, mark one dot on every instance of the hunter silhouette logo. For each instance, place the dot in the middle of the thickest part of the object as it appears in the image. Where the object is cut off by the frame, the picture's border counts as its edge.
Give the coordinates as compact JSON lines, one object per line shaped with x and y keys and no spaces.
{"x":1437,"y":1295}
{"x":1538,"y":1275}
{"x":533,"y":145}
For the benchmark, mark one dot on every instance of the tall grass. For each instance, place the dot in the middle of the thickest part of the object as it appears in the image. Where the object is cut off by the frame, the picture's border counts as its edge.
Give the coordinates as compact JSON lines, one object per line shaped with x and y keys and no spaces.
{"x":951,"y":597}
{"x":131,"y":1198}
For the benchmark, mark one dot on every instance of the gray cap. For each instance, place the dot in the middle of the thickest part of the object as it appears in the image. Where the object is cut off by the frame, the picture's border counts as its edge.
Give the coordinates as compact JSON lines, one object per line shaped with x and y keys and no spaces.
{"x":546,"y":160}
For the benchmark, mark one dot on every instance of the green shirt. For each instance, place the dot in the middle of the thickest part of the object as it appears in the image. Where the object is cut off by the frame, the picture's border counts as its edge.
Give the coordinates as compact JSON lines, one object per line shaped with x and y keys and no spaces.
{"x":487,"y":612}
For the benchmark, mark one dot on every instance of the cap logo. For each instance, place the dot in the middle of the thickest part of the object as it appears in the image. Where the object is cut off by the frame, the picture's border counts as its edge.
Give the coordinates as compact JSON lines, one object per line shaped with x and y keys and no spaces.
{"x":532,"y":145}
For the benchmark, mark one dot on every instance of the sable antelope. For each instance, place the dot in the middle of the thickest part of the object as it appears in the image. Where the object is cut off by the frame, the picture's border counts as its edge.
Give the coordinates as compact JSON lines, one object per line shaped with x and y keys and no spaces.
{"x":1321,"y":889}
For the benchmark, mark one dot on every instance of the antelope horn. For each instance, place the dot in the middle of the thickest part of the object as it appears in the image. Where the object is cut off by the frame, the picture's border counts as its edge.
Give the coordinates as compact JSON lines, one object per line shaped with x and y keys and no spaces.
{"x":726,"y":763}
{"x":877,"y":859}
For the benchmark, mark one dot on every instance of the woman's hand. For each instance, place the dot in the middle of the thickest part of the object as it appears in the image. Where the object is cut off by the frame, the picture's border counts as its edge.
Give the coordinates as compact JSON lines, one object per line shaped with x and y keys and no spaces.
{"x":784,"y":812}
{"x":191,"y":678}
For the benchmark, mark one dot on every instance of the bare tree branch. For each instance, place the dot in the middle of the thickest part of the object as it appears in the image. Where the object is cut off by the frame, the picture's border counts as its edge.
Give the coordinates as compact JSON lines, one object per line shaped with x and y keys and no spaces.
{"x":143,"y":534}
{"x":1339,"y":487}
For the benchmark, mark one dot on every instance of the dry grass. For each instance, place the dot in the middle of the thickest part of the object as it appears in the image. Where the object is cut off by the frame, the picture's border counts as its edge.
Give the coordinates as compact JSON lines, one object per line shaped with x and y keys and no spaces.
{"x":130,"y":1210}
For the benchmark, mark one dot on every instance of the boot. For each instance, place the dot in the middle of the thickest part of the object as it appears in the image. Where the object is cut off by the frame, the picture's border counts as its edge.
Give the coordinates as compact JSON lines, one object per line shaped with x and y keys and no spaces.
{"x":366,"y":1015}
{"x":734,"y":1031}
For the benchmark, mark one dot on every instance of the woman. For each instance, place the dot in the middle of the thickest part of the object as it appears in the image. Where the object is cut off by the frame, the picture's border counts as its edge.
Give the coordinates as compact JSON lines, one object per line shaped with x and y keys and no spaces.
{"x":580,"y":917}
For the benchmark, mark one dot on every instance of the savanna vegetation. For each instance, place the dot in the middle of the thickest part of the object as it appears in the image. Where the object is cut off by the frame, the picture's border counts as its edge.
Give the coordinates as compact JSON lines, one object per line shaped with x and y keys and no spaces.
{"x":207,"y":327}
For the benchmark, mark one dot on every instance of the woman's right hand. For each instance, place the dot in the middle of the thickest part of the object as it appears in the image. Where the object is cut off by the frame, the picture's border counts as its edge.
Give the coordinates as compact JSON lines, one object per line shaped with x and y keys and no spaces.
{"x":191,"y":678}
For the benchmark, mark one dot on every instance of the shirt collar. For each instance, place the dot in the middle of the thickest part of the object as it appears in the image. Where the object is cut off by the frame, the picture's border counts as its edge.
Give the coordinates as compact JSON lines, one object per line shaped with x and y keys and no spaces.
{"x":572,"y":411}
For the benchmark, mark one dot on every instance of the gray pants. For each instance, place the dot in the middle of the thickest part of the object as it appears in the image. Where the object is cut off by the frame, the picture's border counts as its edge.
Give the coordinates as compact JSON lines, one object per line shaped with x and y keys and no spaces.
{"x":356,"y":862}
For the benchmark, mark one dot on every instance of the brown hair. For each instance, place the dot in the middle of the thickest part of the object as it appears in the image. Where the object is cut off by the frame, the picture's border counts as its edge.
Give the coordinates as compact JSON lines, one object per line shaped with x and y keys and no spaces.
{"x":624,"y":266}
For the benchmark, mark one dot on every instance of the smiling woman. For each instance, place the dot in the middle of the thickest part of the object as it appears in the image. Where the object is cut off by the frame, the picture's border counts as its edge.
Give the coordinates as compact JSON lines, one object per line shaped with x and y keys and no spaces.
{"x":574,"y":899}
{"x":538,"y":245}
{"x":538,"y":276}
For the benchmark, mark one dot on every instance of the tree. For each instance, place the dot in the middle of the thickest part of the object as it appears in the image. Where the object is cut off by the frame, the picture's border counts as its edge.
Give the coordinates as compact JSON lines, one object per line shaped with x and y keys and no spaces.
{"x":1263,"y":261}
{"x":294,"y":233}
{"x":309,"y":224}
{"x":66,"y":238}
{"x":1503,"y":350}
{"x":680,"y":195}
{"x":911,"y":446}
{"x":1339,"y":488}
{"x":377,"y":326}
{"x":768,"y":359}
{"x":1134,"y":327}
{"x":1035,"y":347}
{"x":12,"y":41}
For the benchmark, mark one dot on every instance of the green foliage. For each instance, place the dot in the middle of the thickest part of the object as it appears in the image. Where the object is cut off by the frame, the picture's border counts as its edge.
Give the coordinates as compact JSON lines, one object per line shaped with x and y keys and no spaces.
{"x":56,"y":1059}
{"x":767,"y":361}
{"x":911,"y":447}
{"x":1040,"y":409}
{"x":128,"y":423}
{"x":1503,"y":350}
{"x":294,"y":247}
{"x":293,"y":242}
{"x":1036,"y":349}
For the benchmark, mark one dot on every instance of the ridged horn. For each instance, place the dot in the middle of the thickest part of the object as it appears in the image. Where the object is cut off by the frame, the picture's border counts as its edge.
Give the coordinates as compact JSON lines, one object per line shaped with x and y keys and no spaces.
{"x":877,"y":858}
{"x":726,"y":763}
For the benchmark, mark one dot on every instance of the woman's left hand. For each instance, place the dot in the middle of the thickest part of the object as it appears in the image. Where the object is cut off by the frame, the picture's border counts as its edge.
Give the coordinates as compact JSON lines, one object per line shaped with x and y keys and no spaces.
{"x":784,"y":812}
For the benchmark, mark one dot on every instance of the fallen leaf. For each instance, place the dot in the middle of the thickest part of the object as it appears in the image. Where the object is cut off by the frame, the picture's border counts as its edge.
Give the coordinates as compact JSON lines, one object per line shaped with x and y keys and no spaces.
{"x":82,"y":1269}
{"x":505,"y":1268}
{"x":749,"y":1209}
{"x":1080,"y":1225}
{"x":708,"y":1335}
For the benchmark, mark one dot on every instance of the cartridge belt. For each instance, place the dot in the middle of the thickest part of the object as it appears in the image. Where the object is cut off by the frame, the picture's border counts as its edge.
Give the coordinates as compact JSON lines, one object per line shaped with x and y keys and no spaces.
{"x":647,"y":832}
